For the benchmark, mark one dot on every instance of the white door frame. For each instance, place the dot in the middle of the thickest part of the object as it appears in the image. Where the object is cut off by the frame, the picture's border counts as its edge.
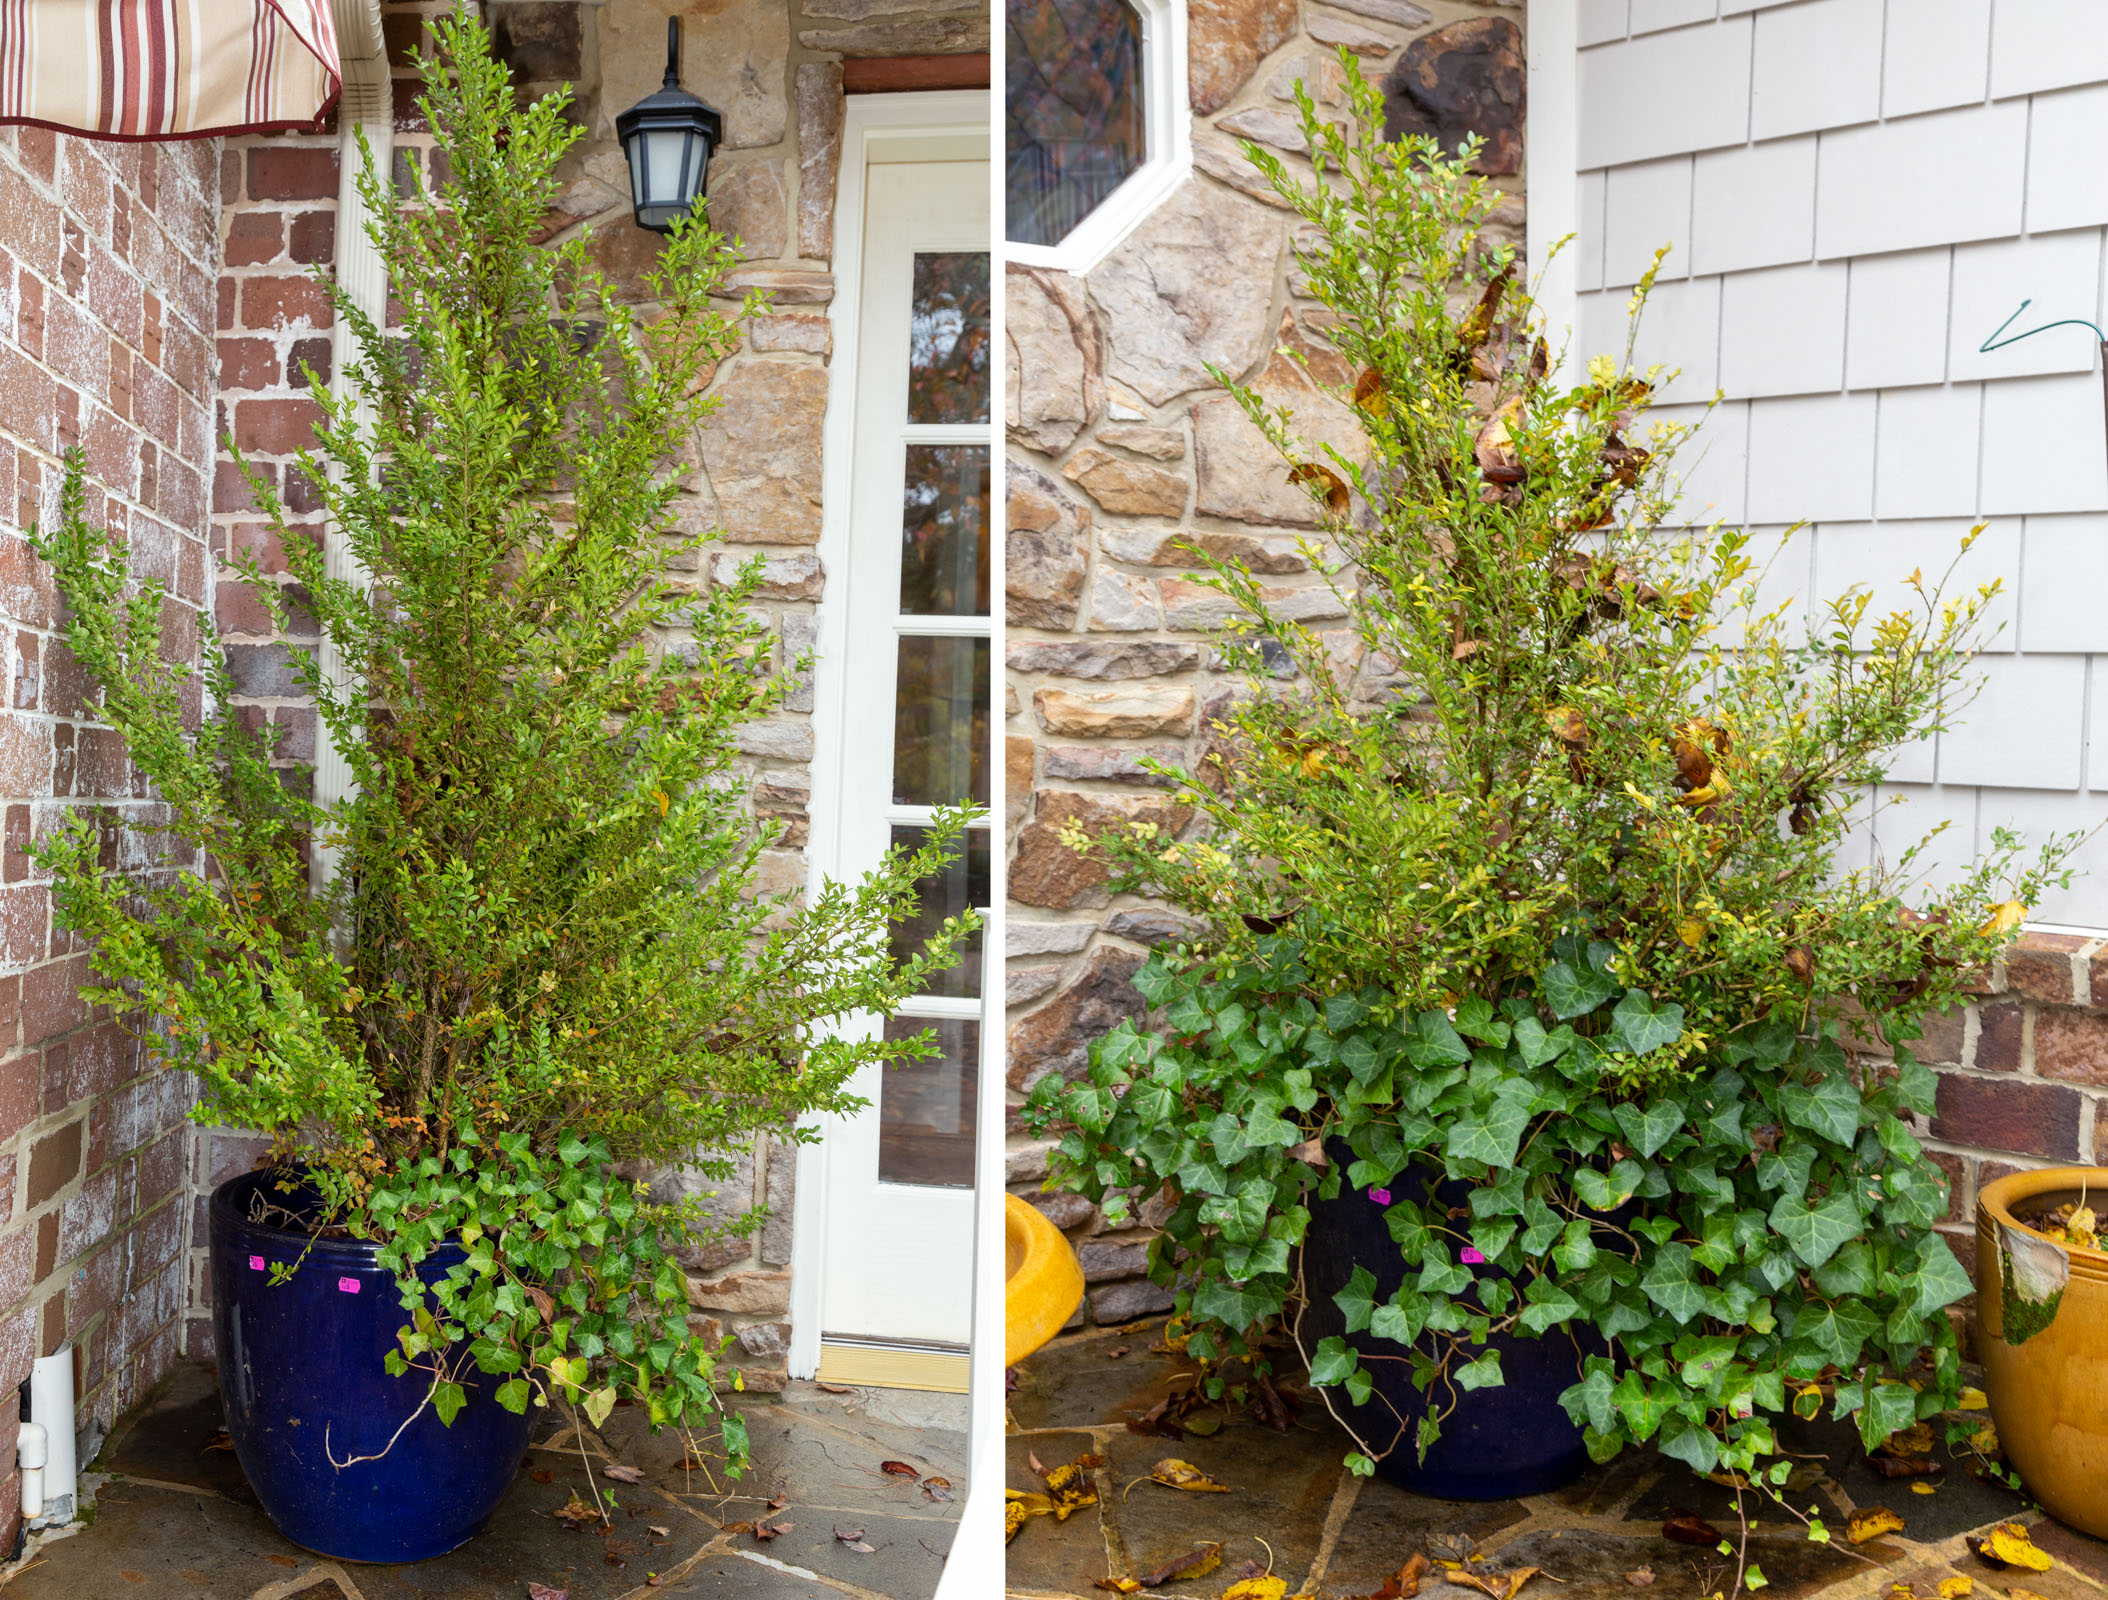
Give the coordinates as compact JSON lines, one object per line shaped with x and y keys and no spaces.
{"x":869,"y":123}
{"x":1552,"y":152}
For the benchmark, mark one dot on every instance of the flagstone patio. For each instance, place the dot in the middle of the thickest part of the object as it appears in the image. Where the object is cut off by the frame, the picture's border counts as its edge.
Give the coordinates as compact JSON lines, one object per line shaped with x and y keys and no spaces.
{"x":174,"y":1519}
{"x":1294,"y":1510}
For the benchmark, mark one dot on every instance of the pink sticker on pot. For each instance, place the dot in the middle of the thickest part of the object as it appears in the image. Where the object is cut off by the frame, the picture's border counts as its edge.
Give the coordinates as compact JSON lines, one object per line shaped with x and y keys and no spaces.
{"x":256,"y":1263}
{"x":348,"y":1285}
{"x":1470,"y":1257}
{"x":1381,"y":1196}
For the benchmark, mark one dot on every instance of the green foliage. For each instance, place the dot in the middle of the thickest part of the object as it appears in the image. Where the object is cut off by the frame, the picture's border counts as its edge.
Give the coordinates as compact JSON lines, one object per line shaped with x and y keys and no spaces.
{"x":541,"y":958}
{"x":1528,"y":878}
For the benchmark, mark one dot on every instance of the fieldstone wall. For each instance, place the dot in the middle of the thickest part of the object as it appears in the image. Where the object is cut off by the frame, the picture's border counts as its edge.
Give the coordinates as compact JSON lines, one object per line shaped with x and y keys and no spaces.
{"x":107,"y":258}
{"x":1122,"y":446}
{"x":775,"y":73}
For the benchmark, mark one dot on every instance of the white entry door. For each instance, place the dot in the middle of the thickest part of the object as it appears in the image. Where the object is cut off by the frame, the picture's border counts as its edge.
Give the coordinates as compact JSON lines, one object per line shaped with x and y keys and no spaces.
{"x":914,"y":732}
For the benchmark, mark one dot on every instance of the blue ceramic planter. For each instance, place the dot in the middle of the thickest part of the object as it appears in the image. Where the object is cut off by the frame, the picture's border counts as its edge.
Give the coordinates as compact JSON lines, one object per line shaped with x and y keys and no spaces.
{"x":1497,"y":1443}
{"x":302,"y":1382}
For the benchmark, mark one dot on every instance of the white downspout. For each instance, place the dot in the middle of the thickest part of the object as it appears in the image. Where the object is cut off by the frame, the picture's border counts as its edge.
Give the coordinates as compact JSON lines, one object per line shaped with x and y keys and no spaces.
{"x":30,"y":1457}
{"x":51,"y":1415}
{"x":368,"y":104}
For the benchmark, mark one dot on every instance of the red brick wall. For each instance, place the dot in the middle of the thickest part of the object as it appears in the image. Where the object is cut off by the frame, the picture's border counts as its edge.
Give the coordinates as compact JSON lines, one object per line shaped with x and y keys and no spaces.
{"x":108,"y":255}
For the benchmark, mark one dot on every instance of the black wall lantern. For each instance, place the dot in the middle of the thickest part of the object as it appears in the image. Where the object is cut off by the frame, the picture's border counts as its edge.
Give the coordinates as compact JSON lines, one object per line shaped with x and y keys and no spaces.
{"x":667,"y":138}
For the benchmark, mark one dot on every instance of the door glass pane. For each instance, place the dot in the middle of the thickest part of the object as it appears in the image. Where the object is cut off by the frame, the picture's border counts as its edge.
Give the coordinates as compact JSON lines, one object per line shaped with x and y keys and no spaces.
{"x":944,"y":531}
{"x":961,"y":886}
{"x":1072,"y":93}
{"x":948,"y":338}
{"x":926,"y":1108}
{"x":940,"y":722}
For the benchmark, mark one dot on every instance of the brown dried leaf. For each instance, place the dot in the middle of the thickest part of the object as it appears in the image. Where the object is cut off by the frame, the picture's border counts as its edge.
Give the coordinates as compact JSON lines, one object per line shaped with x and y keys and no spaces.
{"x":542,"y":1591}
{"x":1369,"y":392}
{"x":1316,"y":476}
{"x":575,"y":1512}
{"x":1497,"y":1585}
{"x":854,"y":1540}
{"x":1197,"y":1563}
{"x":1071,"y":1487}
{"x":1311,"y":1152}
{"x":1801,"y":963}
{"x":622,"y":1474}
{"x":898,"y":1469}
{"x":765,"y":1531}
{"x":1640,"y":1577}
{"x":1687,"y":1527}
{"x":1906,"y":1466}
{"x":1173,"y":1473}
{"x":936,"y":1488}
{"x":1494,"y":449}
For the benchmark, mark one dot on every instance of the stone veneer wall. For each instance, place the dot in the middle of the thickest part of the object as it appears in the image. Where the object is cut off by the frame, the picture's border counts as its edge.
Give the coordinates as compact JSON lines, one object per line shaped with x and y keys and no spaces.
{"x":107,"y":259}
{"x":1120,"y":447}
{"x":775,"y":72}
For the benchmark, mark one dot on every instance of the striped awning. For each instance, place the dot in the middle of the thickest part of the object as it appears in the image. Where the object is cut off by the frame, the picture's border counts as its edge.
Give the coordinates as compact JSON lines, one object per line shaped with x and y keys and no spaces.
{"x":167,"y":69}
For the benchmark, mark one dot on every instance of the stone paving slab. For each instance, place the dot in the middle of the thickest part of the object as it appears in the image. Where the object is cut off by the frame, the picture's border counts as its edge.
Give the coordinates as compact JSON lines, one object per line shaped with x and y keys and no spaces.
{"x":1336,"y":1537}
{"x":174,"y":1518}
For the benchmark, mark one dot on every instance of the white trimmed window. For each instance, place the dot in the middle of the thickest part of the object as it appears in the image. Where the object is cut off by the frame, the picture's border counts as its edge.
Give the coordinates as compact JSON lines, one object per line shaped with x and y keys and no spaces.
{"x":1095,"y":123}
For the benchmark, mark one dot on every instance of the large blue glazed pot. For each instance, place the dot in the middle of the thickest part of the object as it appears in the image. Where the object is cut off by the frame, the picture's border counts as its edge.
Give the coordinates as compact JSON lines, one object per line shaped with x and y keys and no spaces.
{"x":302,"y":1382}
{"x":1497,"y":1444}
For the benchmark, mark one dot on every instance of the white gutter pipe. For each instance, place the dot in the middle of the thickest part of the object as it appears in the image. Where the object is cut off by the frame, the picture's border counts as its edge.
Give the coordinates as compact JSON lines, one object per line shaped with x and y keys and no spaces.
{"x":29,"y":1457}
{"x":51,"y":1416}
{"x":368,"y":105}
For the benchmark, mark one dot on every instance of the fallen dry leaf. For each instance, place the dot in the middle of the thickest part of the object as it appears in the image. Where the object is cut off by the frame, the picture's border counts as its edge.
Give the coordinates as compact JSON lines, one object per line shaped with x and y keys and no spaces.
{"x":1117,"y":1351}
{"x":765,"y":1531}
{"x":1204,"y":1424}
{"x":1173,"y":1473}
{"x":1687,"y":1527}
{"x":1871,"y":1522}
{"x":1495,"y":1585}
{"x":1957,"y":1588}
{"x":1156,"y":1421}
{"x":542,"y":1591}
{"x":1014,"y":1516}
{"x":779,"y":1502}
{"x":1071,"y":1487}
{"x":936,"y":1488}
{"x":622,"y":1474}
{"x":1196,"y":1563}
{"x":542,"y":1476}
{"x":854,"y":1540}
{"x":1922,"y":1487}
{"x":836,"y":1388}
{"x":899,"y":1469}
{"x":1640,"y":1577}
{"x":1263,"y":1588}
{"x":2018,"y":1593}
{"x":1906,"y":1466}
{"x":1973,"y":1400}
{"x":575,"y":1512}
{"x":658,"y":1532}
{"x":2008,"y":1545}
{"x":1117,"y":1585}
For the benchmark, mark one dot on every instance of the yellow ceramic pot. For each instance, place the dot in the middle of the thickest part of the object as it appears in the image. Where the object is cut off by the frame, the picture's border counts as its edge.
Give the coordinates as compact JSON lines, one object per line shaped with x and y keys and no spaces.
{"x":1045,"y":1283}
{"x":2042,"y":1312}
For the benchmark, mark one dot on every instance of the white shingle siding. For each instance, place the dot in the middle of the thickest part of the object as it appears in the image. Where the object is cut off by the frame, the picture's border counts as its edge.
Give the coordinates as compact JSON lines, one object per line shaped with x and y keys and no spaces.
{"x":1858,"y":192}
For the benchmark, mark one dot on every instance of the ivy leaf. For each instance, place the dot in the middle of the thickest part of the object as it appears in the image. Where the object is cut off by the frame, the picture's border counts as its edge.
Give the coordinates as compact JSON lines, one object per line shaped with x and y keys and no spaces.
{"x":1357,"y":1299}
{"x":1574,"y":992}
{"x":1648,"y":1128}
{"x":1645,"y":1026}
{"x":1401,"y":1317}
{"x":1537,"y":1046}
{"x":1689,"y":1443}
{"x":1817,"y":1233}
{"x":1549,"y":1306}
{"x":1642,"y":1408}
{"x":1836,"y":1332}
{"x":1235,"y":1305}
{"x":448,"y":1399}
{"x":1887,"y":1409}
{"x":1940,"y":1278}
{"x":1476,"y":1020}
{"x":1671,"y":1283}
{"x":1490,"y":1133}
{"x":1433,"y":1042}
{"x":1830,"y":1107}
{"x":1484,"y":1373}
{"x":1331,"y":1363}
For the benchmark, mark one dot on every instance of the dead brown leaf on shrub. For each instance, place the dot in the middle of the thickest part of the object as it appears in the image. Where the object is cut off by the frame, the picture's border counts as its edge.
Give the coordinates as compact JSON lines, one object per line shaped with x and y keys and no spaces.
{"x":1318,"y":477}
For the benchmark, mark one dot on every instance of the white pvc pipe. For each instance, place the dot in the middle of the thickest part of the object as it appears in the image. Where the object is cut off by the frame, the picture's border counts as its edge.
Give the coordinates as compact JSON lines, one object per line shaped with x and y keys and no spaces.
{"x":29,"y":1456}
{"x":51,"y":1408}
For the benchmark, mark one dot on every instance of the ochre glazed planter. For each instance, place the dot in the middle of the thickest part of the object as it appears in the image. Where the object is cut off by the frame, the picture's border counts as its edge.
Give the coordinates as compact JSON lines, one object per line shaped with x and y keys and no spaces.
{"x":1044,"y":1285}
{"x":2042,"y":1312}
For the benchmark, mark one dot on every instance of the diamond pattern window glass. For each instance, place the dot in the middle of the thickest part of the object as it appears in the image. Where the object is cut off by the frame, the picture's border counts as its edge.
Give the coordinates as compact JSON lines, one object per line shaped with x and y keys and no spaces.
{"x":1075,"y":114}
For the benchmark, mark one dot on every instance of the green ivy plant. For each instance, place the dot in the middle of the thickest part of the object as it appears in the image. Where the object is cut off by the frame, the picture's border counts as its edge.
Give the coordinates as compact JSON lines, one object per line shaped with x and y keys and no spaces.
{"x":540,"y":963}
{"x":1529,"y":877}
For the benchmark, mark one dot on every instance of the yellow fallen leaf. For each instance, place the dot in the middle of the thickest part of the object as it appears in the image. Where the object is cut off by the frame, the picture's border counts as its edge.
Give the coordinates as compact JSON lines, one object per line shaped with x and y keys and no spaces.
{"x":1071,"y":1488}
{"x":1957,"y":1588}
{"x":1268,"y":1588}
{"x":1173,"y":1473}
{"x":1922,"y":1487}
{"x":1014,"y":1518}
{"x":2018,"y":1593}
{"x":1871,"y":1523}
{"x":1118,"y":1585}
{"x":1031,"y":1505}
{"x":1973,"y":1400}
{"x":2008,"y":1545}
